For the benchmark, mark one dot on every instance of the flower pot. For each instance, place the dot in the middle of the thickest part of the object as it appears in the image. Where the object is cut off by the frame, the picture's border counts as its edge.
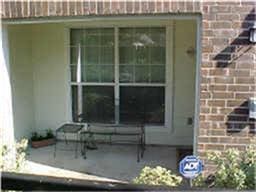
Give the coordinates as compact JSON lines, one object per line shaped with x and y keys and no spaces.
{"x":43,"y":143}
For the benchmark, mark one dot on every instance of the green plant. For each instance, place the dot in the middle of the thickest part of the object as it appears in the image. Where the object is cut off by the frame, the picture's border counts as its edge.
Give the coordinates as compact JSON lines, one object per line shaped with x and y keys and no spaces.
{"x":7,"y":152}
{"x":38,"y":137}
{"x":35,"y":136}
{"x":49,"y":134}
{"x":248,"y":165}
{"x":235,"y":170}
{"x":157,"y":176}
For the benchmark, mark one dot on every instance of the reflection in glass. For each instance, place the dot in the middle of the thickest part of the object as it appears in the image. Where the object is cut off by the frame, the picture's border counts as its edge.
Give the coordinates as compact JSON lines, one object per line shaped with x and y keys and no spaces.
{"x":97,"y":48}
{"x":157,"y":74}
{"x":98,"y":104}
{"x":142,"y":47}
{"x":76,"y":37}
{"x":90,"y":73}
{"x":73,"y":70}
{"x":126,"y":73}
{"x":107,"y":73}
{"x":142,"y":104}
{"x":73,"y":55}
{"x":74,"y":103}
{"x":142,"y":60}
{"x":142,"y":74}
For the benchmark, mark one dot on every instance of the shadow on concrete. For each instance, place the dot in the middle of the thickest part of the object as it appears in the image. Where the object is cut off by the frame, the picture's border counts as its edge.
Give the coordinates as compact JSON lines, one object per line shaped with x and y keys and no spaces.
{"x":118,"y":162}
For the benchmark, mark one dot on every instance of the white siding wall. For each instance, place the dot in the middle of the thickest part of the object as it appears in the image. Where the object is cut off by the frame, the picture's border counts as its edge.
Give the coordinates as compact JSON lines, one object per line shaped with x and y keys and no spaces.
{"x":21,"y":80}
{"x":180,"y":133}
{"x":184,"y":80}
{"x":50,"y":76}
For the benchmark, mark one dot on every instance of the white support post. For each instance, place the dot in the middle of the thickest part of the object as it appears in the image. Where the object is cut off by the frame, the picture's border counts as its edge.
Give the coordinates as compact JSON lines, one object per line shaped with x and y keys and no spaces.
{"x":169,"y":81}
{"x":6,"y":109}
{"x":117,"y":89}
{"x":78,"y":80}
{"x":197,"y":92}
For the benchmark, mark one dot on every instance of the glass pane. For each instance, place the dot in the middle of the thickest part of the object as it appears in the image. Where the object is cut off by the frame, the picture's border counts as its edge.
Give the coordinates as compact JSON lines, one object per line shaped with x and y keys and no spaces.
{"x":142,"y":37}
{"x":73,"y":73}
{"x":142,"y":104}
{"x":126,"y":74}
{"x":157,"y":55}
{"x":107,"y":73}
{"x":73,"y":55}
{"x":126,"y":56}
{"x":91,"y":56}
{"x":97,"y":49}
{"x":90,"y":73}
{"x":98,"y":104}
{"x":106,"y":55}
{"x":126,"y":36}
{"x":107,"y":40}
{"x":142,"y":47}
{"x":142,"y":74}
{"x":158,"y":36}
{"x":157,"y":74}
{"x":74,"y":103}
{"x":141,"y":55}
{"x":76,"y":37}
{"x":92,"y":37}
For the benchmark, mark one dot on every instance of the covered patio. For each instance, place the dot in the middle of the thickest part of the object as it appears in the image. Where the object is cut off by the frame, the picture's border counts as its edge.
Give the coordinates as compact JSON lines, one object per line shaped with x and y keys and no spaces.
{"x":139,"y":64}
{"x":187,"y":67}
{"x":143,"y":67}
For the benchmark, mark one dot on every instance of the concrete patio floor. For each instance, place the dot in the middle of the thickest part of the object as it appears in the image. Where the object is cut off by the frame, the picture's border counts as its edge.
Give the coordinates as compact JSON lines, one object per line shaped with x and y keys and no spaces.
{"x":108,"y":162}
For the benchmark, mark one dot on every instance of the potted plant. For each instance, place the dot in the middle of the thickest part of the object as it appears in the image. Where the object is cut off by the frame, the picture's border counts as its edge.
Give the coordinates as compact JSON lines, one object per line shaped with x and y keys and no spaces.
{"x":38,"y":140}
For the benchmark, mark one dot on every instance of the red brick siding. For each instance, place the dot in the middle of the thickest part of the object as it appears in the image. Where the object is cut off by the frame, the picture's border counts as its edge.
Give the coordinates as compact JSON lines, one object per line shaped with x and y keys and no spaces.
{"x":228,"y":66}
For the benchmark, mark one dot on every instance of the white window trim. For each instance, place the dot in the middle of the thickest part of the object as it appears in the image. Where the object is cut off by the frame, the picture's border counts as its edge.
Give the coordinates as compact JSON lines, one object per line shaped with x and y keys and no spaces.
{"x":169,"y":71}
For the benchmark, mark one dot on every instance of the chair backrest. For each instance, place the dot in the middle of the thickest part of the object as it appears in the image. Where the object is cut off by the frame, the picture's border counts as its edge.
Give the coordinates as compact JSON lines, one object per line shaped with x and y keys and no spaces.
{"x":116,"y":128}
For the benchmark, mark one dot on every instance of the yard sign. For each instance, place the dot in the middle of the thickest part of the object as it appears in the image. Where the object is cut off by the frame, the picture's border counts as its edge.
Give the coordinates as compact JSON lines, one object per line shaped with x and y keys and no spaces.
{"x":190,"y":167}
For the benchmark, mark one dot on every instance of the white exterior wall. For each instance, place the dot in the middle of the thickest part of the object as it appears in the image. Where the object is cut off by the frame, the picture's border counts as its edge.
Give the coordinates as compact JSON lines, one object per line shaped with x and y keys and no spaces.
{"x":184,"y":71}
{"x":22,"y":80}
{"x":51,"y":99}
{"x":51,"y":90}
{"x":184,"y":80}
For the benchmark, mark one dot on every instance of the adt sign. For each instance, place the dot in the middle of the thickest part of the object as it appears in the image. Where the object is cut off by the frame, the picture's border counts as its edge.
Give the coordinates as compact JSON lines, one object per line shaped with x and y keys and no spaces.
{"x":190,"y":167}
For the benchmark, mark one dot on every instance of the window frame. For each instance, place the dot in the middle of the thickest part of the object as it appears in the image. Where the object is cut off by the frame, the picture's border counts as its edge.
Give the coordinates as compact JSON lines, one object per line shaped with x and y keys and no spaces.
{"x":168,"y":71}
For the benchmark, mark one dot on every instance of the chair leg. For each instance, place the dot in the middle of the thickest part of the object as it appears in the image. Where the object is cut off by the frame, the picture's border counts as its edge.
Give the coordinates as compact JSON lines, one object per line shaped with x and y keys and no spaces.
{"x":142,"y":145}
{"x":77,"y":136}
{"x":83,"y":146}
{"x":66,"y":140}
{"x":138,"y":153}
{"x":138,"y":149}
{"x":84,"y":149}
{"x":55,"y":144}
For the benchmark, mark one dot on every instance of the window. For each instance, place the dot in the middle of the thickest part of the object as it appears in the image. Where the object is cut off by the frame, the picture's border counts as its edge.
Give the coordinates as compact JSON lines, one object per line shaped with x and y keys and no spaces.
{"x":118,"y":74}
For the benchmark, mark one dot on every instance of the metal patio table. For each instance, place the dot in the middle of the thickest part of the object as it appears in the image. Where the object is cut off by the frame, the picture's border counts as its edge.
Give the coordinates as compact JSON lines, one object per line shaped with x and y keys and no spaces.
{"x":70,"y":128}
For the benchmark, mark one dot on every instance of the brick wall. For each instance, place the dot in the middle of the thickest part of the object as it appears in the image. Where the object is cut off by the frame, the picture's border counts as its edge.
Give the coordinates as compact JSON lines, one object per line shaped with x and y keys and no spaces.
{"x":228,"y":68}
{"x":227,"y":77}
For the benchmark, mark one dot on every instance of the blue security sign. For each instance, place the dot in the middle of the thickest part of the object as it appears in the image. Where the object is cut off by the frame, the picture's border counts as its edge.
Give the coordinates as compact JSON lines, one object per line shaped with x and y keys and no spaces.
{"x":190,"y":167}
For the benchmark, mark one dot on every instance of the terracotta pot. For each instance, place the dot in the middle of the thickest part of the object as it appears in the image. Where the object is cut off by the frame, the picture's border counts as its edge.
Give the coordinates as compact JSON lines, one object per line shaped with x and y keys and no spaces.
{"x":43,"y":143}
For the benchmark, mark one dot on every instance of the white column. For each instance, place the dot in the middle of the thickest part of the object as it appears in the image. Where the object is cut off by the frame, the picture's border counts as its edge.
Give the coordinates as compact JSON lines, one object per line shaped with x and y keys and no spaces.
{"x":6,"y":110}
{"x":117,"y":96}
{"x":6,"y":113}
{"x":79,"y":80}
